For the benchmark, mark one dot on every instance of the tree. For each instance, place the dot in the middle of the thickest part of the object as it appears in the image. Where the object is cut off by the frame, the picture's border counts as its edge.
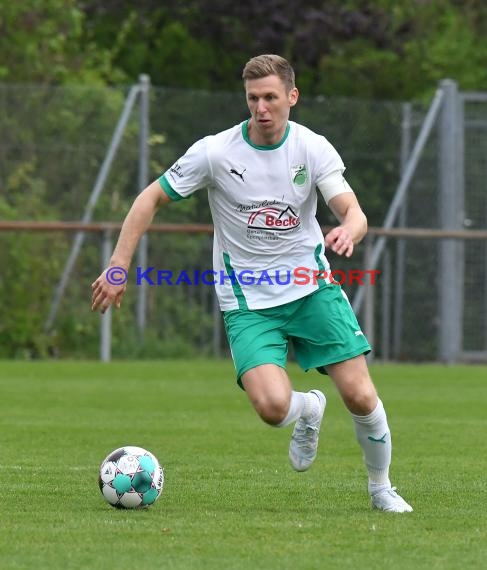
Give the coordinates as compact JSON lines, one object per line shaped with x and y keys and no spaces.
{"x":373,"y":49}
{"x":43,"y":41}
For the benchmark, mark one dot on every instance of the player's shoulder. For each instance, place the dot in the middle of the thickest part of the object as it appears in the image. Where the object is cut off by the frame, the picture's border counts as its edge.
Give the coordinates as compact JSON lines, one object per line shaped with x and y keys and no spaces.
{"x":315,"y":143}
{"x":301,"y":132}
{"x":224,"y":138}
{"x":213,"y":142}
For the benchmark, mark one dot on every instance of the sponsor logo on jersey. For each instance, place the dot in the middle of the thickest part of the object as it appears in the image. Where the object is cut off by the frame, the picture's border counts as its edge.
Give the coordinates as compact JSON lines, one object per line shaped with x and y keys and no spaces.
{"x":256,"y":205}
{"x":274,"y":219}
{"x":299,"y":174}
{"x":176,"y":170}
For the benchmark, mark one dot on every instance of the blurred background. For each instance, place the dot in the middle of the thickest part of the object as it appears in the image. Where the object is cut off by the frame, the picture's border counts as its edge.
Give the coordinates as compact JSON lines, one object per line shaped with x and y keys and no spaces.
{"x":98,"y":98}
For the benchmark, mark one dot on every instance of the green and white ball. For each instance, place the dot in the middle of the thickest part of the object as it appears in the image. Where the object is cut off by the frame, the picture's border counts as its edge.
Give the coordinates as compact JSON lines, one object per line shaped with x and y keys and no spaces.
{"x":130,"y":478}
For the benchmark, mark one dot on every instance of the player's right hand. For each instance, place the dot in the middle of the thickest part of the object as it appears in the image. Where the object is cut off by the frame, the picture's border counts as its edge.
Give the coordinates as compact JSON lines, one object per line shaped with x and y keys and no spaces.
{"x":109,"y":289}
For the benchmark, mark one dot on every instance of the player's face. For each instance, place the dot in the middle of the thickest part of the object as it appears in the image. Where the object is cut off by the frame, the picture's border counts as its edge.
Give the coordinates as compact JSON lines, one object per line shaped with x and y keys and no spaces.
{"x":269,"y":104}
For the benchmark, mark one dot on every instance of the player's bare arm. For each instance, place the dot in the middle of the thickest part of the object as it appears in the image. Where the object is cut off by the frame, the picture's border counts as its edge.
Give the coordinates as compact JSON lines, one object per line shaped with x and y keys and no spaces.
{"x":134,"y":226}
{"x":353,"y":224}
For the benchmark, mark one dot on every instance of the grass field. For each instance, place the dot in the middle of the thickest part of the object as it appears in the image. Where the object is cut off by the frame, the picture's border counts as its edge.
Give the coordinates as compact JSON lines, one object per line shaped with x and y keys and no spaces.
{"x":231,"y":501}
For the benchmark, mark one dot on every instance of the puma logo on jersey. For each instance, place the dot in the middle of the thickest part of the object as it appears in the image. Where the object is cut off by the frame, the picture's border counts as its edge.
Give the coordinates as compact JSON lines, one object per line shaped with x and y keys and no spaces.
{"x":239,"y":174}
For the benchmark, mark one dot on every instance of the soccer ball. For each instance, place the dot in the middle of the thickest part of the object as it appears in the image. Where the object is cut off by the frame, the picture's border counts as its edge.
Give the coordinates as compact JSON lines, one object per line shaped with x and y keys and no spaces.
{"x":130,"y":478}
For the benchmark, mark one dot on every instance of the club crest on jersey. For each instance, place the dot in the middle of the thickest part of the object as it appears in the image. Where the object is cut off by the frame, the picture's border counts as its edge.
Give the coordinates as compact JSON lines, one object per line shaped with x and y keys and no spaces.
{"x":299,"y":174}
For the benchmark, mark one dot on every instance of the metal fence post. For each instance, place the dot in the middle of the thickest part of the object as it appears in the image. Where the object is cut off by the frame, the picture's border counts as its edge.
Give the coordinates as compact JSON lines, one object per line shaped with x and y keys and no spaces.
{"x":144,"y":127}
{"x":369,"y":297}
{"x":385,"y":333}
{"x":485,"y":262}
{"x":451,"y":262}
{"x":106,"y":319}
{"x":400,"y":275}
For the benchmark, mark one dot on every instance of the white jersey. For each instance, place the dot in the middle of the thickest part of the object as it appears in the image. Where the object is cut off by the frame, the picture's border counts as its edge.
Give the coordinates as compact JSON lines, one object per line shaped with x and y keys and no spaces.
{"x":263,"y":203}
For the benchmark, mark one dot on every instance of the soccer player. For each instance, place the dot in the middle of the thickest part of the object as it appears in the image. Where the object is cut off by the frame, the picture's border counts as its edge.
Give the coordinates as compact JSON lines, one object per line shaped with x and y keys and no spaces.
{"x":262,"y":178}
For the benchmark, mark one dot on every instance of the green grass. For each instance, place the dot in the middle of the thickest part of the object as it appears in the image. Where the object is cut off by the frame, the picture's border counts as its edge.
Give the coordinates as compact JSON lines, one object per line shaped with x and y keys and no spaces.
{"x":230,"y":500}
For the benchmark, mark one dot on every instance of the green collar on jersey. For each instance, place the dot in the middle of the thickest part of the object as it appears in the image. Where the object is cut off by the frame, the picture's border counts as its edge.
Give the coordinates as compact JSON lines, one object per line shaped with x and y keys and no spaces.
{"x":245,"y":134}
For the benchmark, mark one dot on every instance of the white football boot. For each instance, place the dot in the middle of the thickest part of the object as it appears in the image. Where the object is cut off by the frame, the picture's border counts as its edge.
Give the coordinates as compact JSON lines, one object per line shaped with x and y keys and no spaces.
{"x":389,"y":501}
{"x":304,"y":440}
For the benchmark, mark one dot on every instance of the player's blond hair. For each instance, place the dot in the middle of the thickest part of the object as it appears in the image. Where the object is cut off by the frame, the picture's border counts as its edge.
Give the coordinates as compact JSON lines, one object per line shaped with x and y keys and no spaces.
{"x":269,"y":64}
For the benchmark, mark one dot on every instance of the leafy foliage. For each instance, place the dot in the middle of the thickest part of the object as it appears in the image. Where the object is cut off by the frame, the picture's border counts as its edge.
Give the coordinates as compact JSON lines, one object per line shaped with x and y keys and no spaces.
{"x":45,"y":41}
{"x":373,"y":49}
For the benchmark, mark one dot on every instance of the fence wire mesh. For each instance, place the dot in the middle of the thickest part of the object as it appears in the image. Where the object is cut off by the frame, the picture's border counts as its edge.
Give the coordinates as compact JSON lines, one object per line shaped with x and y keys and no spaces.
{"x":54,"y":140}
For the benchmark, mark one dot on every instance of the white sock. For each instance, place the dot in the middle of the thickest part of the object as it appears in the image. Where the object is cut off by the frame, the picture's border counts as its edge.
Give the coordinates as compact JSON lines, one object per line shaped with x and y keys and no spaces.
{"x":374,"y":437}
{"x":301,"y":405}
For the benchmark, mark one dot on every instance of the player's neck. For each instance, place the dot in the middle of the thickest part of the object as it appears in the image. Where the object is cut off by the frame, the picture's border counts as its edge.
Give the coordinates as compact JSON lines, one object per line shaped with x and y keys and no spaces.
{"x":259,"y":138}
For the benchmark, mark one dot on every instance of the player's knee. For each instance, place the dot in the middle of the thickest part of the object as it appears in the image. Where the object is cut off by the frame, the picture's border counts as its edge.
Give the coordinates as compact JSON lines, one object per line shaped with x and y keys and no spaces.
{"x":362,"y":400}
{"x":273,"y":410}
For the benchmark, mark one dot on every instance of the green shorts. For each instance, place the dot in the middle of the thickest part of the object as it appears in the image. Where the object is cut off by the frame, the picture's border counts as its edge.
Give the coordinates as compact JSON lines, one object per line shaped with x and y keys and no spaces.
{"x":322,"y":327}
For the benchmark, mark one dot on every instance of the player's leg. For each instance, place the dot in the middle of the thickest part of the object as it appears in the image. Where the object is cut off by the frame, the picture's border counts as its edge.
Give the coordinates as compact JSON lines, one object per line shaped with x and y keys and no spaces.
{"x":269,"y":390}
{"x":358,"y":392}
{"x":259,"y":345}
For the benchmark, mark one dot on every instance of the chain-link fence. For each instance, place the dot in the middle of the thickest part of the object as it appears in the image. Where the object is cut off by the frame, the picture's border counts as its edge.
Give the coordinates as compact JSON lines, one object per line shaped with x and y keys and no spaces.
{"x":441,"y":285}
{"x":54,"y":146}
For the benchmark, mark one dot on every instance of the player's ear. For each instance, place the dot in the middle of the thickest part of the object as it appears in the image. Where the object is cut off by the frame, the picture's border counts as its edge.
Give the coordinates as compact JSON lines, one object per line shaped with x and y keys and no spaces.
{"x":293,"y":96}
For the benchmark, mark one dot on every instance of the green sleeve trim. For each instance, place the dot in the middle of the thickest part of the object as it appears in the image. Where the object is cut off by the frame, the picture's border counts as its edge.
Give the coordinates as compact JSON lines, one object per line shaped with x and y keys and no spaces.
{"x":169,"y":190}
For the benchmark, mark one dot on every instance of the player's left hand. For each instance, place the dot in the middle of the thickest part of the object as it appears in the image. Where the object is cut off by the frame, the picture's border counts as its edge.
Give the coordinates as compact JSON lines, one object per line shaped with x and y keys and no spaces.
{"x":340,"y":241}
